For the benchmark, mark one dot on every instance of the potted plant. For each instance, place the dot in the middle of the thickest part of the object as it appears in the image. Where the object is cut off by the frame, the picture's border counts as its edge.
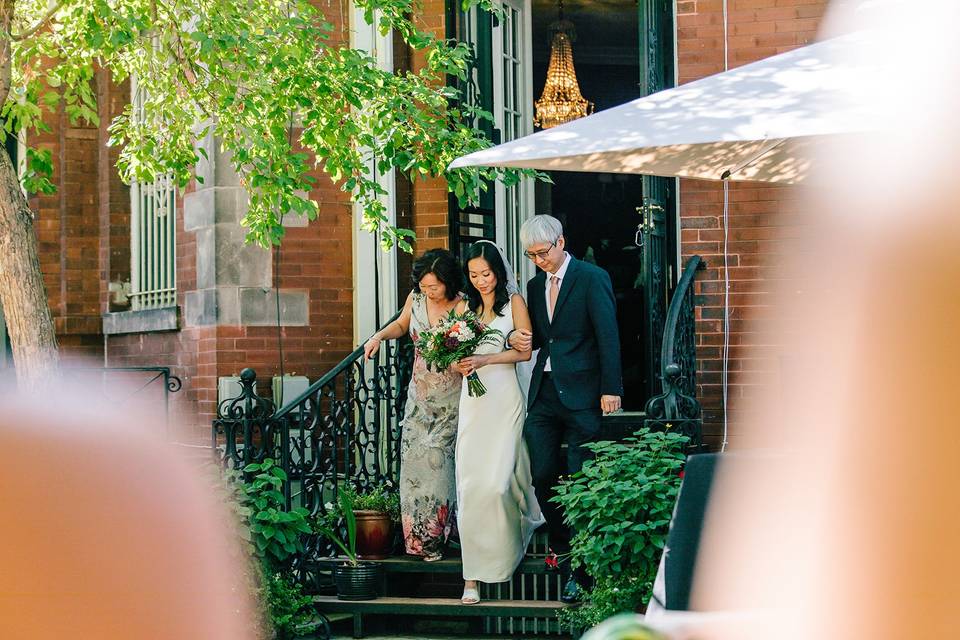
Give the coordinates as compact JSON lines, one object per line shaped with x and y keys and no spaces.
{"x":376,"y":512}
{"x":356,"y":579}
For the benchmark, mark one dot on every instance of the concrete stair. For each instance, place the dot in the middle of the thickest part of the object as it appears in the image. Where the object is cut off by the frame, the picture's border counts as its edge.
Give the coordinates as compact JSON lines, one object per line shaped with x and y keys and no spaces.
{"x":424,"y":597}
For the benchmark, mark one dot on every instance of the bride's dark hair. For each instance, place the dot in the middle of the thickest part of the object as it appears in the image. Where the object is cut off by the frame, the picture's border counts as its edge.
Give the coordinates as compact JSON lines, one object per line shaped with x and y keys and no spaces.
{"x":491,"y":254}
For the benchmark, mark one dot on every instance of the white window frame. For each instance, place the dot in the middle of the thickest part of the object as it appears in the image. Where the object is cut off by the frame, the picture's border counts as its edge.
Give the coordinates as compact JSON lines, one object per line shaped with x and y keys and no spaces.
{"x":370,"y":260}
{"x":513,"y":116}
{"x":153,"y":236}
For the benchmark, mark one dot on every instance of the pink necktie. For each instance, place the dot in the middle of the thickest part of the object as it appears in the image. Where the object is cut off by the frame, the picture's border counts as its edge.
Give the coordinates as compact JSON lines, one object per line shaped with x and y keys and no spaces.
{"x":554,"y":293}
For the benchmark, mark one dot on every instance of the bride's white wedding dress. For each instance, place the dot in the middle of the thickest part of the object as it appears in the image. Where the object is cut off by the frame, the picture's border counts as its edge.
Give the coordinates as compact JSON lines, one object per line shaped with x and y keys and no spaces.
{"x":497,"y":510}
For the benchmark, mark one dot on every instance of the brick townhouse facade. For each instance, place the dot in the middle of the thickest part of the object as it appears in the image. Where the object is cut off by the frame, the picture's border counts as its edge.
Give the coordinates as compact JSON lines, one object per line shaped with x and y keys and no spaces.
{"x":765,"y":221}
{"x":224,"y":315}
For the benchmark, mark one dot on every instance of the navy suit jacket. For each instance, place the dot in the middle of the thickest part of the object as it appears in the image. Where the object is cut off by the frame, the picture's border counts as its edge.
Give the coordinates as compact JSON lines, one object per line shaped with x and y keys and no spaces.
{"x":582,"y":342}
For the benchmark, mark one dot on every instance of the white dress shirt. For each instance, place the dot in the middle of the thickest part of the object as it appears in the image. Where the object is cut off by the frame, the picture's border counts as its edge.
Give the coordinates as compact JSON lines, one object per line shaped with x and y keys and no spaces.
{"x":560,"y":274}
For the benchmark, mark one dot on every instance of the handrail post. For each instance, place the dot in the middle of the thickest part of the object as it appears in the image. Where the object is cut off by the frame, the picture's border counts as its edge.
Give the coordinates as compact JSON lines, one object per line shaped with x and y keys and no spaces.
{"x":674,"y":405}
{"x":347,"y":430}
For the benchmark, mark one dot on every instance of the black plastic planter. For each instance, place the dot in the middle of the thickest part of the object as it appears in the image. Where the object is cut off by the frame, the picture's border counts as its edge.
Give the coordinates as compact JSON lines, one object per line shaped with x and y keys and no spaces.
{"x":358,"y":582}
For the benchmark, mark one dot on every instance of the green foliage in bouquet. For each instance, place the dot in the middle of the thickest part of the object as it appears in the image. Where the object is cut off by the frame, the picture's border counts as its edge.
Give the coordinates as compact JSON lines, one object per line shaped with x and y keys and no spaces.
{"x":620,"y":505}
{"x":456,"y":337}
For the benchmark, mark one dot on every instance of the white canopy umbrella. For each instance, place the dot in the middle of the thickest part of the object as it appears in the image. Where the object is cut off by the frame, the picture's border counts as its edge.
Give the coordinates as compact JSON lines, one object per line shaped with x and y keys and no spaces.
{"x":755,"y":122}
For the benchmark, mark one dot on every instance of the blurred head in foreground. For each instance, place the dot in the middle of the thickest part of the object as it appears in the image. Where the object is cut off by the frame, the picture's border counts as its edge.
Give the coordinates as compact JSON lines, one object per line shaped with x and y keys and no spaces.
{"x":107,"y":534}
{"x":851,"y":532}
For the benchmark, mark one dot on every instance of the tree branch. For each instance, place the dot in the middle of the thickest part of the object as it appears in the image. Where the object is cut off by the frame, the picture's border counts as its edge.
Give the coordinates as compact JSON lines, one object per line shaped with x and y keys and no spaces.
{"x":16,"y":37}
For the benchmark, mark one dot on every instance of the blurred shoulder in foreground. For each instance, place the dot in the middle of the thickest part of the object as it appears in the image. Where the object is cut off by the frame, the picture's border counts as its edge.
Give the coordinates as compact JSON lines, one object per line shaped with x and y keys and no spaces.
{"x":108,"y":534}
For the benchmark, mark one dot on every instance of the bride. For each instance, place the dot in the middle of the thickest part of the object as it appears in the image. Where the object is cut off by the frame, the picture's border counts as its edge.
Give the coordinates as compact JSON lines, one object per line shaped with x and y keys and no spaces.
{"x":497,"y":510}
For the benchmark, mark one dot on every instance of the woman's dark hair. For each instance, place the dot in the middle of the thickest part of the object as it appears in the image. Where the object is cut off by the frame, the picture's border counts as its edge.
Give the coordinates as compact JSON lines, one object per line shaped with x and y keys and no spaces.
{"x":441,"y":264}
{"x":491,"y":254}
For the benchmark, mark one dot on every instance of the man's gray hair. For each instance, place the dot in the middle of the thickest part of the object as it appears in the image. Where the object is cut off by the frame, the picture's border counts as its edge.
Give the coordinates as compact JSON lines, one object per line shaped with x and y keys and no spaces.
{"x":541,"y":229}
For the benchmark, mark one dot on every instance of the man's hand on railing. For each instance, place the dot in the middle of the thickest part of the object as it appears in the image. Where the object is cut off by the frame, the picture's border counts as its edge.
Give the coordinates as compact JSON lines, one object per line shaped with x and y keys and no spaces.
{"x":609,"y":404}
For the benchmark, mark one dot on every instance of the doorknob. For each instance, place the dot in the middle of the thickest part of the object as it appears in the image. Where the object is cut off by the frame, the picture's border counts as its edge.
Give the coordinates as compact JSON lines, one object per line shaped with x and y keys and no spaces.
{"x":648,"y":206}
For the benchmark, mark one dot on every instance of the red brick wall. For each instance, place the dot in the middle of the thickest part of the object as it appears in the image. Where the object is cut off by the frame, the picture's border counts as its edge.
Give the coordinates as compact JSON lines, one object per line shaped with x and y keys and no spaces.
{"x":430,"y":197}
{"x":765,"y":222}
{"x":431,"y":214}
{"x":84,"y":235}
{"x":114,"y":195}
{"x":316,"y":258}
{"x":67,"y":227}
{"x":175,"y":349}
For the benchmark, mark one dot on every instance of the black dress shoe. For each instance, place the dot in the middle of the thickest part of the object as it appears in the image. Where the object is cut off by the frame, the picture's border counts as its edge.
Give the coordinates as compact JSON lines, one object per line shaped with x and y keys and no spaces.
{"x":572,"y":593}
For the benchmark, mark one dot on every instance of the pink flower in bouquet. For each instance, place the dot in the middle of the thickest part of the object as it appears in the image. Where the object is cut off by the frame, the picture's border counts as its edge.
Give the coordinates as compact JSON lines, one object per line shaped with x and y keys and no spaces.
{"x":456,"y":337}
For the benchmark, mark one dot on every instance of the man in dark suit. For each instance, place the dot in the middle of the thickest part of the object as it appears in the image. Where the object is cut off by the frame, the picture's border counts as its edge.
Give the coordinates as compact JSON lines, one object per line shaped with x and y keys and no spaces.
{"x":577,"y":376}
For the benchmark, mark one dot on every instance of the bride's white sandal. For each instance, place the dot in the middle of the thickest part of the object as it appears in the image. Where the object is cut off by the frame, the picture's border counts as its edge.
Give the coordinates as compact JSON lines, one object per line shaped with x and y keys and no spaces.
{"x":471,"y":595}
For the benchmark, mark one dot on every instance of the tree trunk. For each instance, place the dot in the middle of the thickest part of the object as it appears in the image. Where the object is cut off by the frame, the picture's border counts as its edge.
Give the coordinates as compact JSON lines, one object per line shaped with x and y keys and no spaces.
{"x":22,"y":292}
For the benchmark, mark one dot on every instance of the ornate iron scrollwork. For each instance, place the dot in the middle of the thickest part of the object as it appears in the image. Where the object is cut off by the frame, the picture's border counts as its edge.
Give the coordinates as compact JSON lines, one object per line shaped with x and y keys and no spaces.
{"x":677,"y":405}
{"x":119,"y":385}
{"x":345,"y":428}
{"x":247,"y":426}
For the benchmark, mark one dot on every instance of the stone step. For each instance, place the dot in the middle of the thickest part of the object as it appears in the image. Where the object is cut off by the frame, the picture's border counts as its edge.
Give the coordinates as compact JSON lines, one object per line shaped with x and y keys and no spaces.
{"x":434,"y":607}
{"x":439,"y":606}
{"x":410,"y":564}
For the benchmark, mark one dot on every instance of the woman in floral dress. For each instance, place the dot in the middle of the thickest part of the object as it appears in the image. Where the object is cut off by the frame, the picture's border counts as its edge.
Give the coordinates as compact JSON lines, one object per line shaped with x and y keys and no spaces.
{"x":429,"y":431}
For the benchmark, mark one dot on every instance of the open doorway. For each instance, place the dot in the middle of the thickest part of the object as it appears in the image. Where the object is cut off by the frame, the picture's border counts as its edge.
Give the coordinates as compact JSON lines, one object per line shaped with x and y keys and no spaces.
{"x":607,"y":218}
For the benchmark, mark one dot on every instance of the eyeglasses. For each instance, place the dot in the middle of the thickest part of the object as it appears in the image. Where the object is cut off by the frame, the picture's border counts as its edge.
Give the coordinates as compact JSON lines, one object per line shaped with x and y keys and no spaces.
{"x":534,"y":255}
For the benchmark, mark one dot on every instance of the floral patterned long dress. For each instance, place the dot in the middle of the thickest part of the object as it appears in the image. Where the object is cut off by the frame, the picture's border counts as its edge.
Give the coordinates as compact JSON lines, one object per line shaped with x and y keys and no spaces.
{"x":427,"y":445}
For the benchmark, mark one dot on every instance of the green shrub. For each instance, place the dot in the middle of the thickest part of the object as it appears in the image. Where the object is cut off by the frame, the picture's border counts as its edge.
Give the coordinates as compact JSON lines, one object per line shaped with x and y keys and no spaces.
{"x":287,"y":606}
{"x":275,"y":535}
{"x":619,"y":506}
{"x":275,"y":532}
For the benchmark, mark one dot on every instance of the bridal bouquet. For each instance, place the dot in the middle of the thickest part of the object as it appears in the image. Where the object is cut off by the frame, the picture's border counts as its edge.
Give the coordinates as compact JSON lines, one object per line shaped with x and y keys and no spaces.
{"x":454,"y":338}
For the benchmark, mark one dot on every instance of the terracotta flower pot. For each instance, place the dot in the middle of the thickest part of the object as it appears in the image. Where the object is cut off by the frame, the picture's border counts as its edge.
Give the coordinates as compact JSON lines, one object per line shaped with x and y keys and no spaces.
{"x":374,"y":534}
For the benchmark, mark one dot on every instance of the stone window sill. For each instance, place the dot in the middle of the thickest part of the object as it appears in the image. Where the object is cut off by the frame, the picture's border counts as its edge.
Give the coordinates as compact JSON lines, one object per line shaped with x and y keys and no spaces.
{"x":145,"y":321}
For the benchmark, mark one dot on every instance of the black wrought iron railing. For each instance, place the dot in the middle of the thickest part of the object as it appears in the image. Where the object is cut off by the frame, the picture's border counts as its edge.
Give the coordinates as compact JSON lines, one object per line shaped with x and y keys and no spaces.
{"x":678,"y":405}
{"x":345,"y":428}
{"x":149,"y":387}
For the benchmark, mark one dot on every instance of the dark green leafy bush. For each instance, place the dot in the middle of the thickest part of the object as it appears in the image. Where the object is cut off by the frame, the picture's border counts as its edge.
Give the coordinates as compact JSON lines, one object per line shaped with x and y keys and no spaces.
{"x":619,"y":506}
{"x":275,"y":535}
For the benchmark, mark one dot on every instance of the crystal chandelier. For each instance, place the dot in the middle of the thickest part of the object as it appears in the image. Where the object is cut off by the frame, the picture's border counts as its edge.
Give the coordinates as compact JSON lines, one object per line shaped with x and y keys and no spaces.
{"x":561,"y":100}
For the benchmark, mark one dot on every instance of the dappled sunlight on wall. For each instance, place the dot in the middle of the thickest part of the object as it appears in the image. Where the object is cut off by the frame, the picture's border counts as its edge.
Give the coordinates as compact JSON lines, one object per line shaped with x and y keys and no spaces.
{"x":847,"y":526}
